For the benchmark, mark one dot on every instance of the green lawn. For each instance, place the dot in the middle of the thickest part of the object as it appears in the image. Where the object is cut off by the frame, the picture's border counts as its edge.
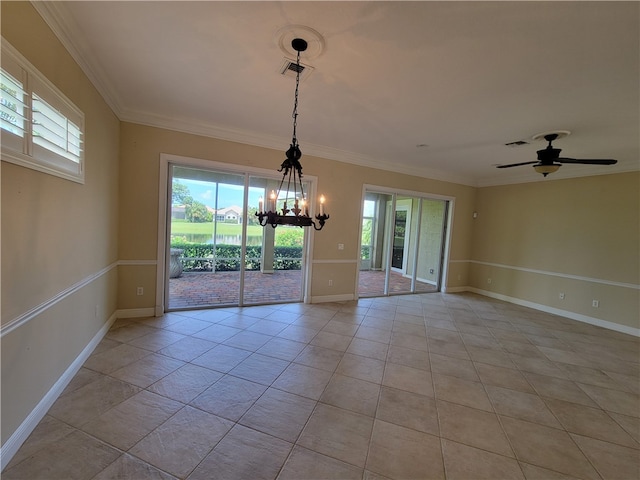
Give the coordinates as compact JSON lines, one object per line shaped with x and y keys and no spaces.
{"x":182,"y":227}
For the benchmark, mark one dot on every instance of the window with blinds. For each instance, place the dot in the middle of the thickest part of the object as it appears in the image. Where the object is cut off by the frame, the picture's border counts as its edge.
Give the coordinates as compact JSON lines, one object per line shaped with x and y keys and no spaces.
{"x":12,"y":113}
{"x":40,"y":127}
{"x":53,"y":131}
{"x":13,"y":107}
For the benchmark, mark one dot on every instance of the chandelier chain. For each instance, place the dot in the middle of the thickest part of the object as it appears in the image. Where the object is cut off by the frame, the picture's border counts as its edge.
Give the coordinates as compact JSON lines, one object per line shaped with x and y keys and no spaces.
{"x":295,"y":102}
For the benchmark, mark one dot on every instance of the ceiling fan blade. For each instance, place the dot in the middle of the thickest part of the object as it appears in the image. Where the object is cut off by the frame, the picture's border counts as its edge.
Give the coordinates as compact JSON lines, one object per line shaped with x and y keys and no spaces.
{"x":588,"y":161}
{"x":516,"y":164}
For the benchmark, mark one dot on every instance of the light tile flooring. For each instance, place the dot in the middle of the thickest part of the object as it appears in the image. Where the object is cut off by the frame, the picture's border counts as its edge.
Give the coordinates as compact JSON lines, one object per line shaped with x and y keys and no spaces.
{"x":408,"y":387}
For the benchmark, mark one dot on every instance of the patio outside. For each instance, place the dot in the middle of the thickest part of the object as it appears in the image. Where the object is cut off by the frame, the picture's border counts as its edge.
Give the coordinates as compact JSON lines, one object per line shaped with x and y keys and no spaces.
{"x":204,"y":289}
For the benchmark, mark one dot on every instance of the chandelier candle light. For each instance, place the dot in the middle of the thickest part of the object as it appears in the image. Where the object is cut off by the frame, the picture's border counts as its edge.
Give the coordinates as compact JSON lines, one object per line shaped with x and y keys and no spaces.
{"x":292,"y":172}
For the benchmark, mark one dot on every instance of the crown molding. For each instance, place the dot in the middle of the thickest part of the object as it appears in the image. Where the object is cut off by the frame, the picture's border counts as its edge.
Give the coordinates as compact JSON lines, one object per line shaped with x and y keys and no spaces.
{"x":57,"y":17}
{"x":531,"y":177}
{"x":279,"y":143}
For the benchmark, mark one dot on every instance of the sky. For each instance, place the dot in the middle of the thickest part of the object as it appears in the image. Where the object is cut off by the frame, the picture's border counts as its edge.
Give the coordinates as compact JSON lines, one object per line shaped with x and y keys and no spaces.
{"x":228,"y":195}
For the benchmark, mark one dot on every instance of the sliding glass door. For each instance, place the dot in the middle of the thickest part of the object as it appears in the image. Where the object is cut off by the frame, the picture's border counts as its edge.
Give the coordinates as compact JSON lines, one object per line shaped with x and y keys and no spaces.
{"x":374,"y":245}
{"x":218,"y":253}
{"x":274,"y":267}
{"x":430,"y":255}
{"x":402,"y":244}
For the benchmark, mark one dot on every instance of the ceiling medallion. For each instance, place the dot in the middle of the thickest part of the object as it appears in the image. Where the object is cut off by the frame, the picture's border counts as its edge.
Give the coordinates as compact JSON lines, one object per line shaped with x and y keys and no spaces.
{"x":286,"y":35}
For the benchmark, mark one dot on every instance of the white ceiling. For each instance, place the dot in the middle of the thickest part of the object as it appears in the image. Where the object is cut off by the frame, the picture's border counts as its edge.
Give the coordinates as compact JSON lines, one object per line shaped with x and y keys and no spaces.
{"x":464,"y":78}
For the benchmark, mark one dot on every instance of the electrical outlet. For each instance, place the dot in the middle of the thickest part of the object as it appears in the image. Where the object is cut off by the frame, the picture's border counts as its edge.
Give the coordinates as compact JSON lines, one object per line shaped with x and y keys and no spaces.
{"x":341,"y":246}
{"x":331,"y":283}
{"x":595,"y":303}
{"x":140,"y":291}
{"x":561,"y":295}
{"x":489,"y":281}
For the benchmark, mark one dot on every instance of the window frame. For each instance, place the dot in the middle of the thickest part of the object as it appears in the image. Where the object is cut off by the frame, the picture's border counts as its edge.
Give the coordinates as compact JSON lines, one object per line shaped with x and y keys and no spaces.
{"x":26,"y":152}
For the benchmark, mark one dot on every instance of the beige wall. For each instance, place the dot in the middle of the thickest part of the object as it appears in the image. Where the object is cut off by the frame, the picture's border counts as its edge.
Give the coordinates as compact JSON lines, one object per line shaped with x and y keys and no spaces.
{"x":341,"y":183}
{"x":577,"y":236}
{"x":58,"y":237}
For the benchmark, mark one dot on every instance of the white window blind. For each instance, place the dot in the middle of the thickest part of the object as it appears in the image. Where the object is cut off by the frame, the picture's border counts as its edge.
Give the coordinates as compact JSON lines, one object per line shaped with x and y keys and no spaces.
{"x":12,"y":105}
{"x":13,"y":111}
{"x":40,"y":127}
{"x":53,"y":131}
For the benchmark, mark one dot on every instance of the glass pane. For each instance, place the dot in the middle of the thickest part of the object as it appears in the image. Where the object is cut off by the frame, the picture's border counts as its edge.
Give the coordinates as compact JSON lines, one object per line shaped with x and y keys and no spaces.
{"x":207,"y":211}
{"x":431,"y":242}
{"x":273,"y":267}
{"x":11,"y":104}
{"x":399,"y":227}
{"x":365,"y":244}
{"x":403,"y":250}
{"x":376,"y":223}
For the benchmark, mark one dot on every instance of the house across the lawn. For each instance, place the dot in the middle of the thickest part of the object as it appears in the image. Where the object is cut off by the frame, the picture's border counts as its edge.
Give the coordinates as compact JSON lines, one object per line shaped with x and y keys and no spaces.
{"x":229,"y":214}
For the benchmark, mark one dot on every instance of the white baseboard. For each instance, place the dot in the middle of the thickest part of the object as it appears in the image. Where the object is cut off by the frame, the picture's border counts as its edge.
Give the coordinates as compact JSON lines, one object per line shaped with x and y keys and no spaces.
{"x":13,"y":444}
{"x":332,"y":298}
{"x":455,"y":289}
{"x":423,"y":280}
{"x":136,"y":312}
{"x":562,"y":313}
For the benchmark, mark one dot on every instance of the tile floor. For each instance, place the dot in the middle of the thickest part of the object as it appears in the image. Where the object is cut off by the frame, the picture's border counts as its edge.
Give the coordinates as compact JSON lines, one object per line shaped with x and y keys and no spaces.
{"x":408,"y":387}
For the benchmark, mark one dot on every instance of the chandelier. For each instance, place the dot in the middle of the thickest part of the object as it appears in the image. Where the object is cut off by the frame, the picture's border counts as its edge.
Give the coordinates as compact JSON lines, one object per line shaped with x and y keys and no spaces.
{"x":298,"y":214}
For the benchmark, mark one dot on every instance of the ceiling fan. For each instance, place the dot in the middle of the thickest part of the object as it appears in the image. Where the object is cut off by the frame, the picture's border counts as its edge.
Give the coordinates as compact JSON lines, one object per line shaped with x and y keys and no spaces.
{"x":549,"y":159}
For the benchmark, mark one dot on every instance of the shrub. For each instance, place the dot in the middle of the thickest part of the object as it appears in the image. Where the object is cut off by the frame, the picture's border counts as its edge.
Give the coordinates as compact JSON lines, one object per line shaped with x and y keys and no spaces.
{"x":199,"y":257}
{"x":289,"y":237}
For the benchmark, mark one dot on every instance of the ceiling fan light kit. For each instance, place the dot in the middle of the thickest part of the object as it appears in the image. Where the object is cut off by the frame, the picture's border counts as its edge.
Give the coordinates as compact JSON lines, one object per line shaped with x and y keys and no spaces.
{"x":546,"y":169}
{"x":549,"y":160}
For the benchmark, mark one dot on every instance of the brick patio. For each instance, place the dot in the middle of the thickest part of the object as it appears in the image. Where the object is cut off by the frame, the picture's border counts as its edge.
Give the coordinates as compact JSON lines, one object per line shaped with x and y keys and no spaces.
{"x":203,"y":289}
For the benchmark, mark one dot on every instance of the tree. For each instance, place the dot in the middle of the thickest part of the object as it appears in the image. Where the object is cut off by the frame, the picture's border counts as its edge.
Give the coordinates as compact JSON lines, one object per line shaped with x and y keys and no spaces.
{"x":251,"y":216}
{"x":289,"y":237}
{"x":197,"y":212}
{"x":194,"y":211}
{"x":180,"y":194}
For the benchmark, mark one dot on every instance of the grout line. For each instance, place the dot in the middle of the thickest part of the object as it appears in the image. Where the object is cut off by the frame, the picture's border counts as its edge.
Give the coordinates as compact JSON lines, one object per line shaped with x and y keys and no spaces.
{"x":464,"y":299}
